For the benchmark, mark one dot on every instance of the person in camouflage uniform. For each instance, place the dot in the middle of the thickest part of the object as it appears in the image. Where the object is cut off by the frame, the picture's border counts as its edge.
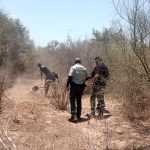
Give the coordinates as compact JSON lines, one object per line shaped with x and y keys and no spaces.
{"x":100,"y":74}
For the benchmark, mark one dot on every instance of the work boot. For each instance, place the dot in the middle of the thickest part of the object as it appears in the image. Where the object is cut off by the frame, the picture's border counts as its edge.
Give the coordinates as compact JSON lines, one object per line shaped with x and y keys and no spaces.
{"x":79,"y":118}
{"x":106,"y":111}
{"x":73,"y":119}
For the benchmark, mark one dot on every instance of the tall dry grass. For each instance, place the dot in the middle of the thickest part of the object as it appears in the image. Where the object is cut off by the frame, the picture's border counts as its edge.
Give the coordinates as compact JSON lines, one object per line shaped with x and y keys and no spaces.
{"x":60,"y":96}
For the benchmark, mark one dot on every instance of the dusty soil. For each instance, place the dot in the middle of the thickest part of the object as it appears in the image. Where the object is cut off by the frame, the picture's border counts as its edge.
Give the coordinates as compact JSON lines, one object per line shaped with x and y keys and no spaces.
{"x":31,"y":122}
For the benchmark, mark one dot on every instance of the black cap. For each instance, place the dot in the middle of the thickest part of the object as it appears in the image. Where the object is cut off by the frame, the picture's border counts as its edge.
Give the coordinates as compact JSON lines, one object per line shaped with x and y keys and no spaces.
{"x":98,"y":58}
{"x":39,"y":64}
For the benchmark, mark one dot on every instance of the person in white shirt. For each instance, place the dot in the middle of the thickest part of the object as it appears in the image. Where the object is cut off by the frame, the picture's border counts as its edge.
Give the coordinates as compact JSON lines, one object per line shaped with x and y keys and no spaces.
{"x":76,"y":80}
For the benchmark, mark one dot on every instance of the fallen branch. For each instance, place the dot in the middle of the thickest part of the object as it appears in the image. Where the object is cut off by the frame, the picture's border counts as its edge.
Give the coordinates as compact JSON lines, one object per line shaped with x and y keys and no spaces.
{"x":6,"y":96}
{"x":7,"y":141}
{"x":4,"y":144}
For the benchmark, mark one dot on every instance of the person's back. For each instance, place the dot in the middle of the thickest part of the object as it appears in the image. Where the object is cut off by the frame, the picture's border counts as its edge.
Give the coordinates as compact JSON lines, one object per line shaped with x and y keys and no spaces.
{"x":79,"y":74}
{"x":76,"y":80}
{"x":45,"y":70}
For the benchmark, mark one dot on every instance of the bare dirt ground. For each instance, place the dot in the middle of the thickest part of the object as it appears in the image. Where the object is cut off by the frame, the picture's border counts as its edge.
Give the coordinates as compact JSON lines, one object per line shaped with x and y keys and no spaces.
{"x":31,"y":122}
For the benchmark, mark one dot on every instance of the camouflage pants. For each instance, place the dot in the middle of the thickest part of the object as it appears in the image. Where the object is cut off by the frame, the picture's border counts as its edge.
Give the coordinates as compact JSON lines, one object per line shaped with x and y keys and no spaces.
{"x":97,"y":92}
{"x":49,"y":83}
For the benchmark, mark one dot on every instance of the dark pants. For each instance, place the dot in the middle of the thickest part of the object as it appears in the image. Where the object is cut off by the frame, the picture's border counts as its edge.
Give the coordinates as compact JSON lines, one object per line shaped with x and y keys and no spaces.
{"x":76,"y":92}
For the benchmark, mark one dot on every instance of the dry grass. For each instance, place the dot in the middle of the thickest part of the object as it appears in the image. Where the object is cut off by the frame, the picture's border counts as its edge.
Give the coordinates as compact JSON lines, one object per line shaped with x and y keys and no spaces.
{"x":33,"y":123}
{"x":60,"y":96}
{"x":137,"y":102}
{"x":2,"y":88}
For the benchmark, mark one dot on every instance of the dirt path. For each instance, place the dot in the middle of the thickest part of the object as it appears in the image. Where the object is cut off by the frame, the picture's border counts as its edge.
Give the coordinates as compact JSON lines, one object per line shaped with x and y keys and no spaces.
{"x":34,"y":124}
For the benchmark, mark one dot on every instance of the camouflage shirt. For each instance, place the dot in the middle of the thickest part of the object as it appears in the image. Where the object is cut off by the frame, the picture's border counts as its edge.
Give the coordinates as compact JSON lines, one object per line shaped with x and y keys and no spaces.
{"x":103,"y":71}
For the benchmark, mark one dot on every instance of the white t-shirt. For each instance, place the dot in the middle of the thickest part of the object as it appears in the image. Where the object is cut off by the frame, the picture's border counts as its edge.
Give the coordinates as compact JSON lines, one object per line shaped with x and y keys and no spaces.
{"x":78,"y":73}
